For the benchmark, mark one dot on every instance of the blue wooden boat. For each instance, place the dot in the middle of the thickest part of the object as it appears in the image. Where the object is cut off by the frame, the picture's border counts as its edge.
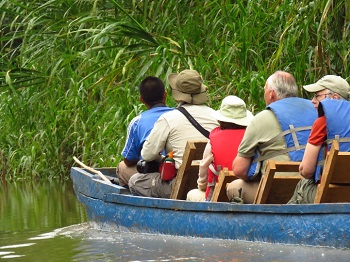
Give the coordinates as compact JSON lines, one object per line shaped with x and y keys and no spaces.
{"x":111,"y":205}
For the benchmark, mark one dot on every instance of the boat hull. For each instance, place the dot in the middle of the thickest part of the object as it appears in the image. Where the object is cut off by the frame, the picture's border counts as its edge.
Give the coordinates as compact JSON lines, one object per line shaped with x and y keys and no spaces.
{"x":313,"y":225}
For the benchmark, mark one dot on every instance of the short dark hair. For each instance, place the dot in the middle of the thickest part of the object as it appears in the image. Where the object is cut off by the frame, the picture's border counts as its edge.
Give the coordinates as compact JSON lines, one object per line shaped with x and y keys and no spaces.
{"x":152,"y":90}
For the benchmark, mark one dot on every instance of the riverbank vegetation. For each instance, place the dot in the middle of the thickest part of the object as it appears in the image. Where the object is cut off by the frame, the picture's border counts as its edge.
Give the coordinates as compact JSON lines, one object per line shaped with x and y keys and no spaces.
{"x":70,"y":68}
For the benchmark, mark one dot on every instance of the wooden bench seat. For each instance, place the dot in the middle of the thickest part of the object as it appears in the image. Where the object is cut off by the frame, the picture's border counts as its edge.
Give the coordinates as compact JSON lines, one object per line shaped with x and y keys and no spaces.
{"x":277,"y":189}
{"x":335,"y":181}
{"x":225,"y":177}
{"x":187,"y":175}
{"x":333,"y":188}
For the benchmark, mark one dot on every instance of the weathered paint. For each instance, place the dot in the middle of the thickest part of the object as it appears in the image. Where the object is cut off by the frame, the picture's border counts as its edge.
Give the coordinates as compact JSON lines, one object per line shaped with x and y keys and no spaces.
{"x":315,"y":225}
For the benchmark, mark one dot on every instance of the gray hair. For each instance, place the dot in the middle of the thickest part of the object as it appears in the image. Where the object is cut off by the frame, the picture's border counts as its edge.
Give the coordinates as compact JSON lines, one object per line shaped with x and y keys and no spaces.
{"x":330,"y":92}
{"x":283,"y":84}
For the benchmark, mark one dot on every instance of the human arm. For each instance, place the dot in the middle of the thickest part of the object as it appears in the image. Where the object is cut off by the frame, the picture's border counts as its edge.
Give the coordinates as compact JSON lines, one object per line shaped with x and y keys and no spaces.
{"x":307,"y":167}
{"x":240,"y":167}
{"x":156,"y":141}
{"x":255,"y":134}
{"x":318,"y":134}
{"x":203,"y":168}
{"x":132,"y":149}
{"x":129,"y":162}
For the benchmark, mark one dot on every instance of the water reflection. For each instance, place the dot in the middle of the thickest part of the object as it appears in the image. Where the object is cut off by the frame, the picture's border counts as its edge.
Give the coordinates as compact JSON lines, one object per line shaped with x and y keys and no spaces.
{"x":45,"y":222}
{"x":31,"y":206}
{"x":29,"y":210}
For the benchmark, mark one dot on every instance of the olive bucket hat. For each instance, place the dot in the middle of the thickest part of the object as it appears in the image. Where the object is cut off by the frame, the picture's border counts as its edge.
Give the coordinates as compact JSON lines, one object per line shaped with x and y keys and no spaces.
{"x":188,"y":86}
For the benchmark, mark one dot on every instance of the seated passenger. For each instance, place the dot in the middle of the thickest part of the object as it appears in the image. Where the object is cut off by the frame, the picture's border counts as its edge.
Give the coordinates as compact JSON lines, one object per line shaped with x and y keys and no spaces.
{"x":328,"y":91}
{"x":173,"y":130}
{"x":152,"y":95}
{"x":279,"y":132}
{"x":222,"y":148}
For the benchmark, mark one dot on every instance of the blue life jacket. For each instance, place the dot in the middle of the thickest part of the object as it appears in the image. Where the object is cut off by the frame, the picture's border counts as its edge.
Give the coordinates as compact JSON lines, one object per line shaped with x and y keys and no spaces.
{"x":337,"y":113}
{"x":296,"y":117}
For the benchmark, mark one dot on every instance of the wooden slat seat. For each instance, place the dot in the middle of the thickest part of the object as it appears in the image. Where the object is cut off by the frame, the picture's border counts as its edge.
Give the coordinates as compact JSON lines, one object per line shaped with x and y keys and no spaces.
{"x":277,"y":189}
{"x":225,"y":177}
{"x":333,"y":188}
{"x":187,"y":175}
{"x":335,"y":181}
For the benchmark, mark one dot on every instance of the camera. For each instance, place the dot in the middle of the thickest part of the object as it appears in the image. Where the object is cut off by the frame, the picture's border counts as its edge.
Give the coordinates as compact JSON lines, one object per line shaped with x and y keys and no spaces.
{"x":145,"y":167}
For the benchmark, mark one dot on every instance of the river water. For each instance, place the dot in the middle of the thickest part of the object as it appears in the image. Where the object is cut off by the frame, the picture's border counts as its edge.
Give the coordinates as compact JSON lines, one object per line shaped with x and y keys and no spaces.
{"x":45,"y":222}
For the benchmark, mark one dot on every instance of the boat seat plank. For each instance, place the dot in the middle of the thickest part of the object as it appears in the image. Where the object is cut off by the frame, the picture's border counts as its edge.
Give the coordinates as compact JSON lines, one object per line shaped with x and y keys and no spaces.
{"x":333,"y":188}
{"x":187,"y":175}
{"x":277,"y":189}
{"x":225,"y":176}
{"x":335,"y":181}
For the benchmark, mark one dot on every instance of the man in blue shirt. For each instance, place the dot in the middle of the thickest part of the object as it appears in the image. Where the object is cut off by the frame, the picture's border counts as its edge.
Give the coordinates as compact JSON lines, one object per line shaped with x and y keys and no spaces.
{"x":152,"y":95}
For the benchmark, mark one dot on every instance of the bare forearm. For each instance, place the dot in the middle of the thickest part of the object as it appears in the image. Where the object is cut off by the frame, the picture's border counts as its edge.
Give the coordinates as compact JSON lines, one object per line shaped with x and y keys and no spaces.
{"x":305,"y":173}
{"x":240,"y":167}
{"x":307,"y":167}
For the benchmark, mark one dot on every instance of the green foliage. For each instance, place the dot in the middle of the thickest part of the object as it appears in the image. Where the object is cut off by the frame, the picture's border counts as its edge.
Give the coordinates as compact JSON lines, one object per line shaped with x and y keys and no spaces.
{"x":70,"y":69}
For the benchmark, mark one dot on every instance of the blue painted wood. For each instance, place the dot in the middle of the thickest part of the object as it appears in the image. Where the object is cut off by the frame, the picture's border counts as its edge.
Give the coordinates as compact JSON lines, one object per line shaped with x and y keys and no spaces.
{"x":315,"y":225}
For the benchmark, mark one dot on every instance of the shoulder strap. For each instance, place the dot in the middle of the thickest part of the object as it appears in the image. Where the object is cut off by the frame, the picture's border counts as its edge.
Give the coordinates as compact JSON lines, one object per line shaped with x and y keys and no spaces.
{"x":193,"y":121}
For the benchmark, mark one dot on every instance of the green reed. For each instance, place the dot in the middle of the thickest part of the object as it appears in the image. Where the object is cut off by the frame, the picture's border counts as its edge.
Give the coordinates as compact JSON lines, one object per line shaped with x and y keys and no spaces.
{"x":70,"y":69}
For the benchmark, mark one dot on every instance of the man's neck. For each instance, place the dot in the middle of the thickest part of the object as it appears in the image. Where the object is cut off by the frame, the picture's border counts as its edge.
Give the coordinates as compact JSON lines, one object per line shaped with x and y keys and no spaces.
{"x":158,"y":104}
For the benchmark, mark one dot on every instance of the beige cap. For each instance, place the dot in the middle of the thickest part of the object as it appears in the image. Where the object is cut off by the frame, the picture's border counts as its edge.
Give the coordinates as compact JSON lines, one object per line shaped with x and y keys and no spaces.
{"x":334,"y":83}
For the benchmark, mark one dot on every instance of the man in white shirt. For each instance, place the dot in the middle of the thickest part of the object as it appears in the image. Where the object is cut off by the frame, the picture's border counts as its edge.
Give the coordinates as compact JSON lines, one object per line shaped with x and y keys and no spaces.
{"x":172,"y":131}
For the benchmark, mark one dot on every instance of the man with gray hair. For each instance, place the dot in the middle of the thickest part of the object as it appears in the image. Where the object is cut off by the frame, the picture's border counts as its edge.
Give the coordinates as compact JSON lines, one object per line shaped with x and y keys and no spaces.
{"x":279,"y":132}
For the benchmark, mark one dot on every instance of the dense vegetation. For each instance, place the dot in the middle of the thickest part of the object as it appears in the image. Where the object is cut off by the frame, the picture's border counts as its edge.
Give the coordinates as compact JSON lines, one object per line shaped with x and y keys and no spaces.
{"x":70,"y":68}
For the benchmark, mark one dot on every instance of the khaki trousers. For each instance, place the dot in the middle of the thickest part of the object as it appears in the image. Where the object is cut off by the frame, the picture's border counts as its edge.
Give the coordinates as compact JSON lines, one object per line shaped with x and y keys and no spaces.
{"x":249,"y":190}
{"x":196,"y":195}
{"x":150,"y":185}
{"x":124,"y":173}
{"x":304,"y":193}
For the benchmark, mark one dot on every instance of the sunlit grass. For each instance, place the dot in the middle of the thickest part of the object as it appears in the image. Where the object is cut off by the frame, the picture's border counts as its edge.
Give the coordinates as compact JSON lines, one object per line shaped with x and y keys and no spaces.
{"x":70,"y":69}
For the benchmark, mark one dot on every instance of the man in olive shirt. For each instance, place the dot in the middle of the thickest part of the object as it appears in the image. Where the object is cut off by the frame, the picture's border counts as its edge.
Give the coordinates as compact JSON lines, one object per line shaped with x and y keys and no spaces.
{"x":272,"y":134}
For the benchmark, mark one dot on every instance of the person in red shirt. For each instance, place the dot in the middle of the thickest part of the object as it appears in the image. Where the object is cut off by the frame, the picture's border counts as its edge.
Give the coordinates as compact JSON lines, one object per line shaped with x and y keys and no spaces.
{"x":332,"y":87}
{"x":222,"y":147}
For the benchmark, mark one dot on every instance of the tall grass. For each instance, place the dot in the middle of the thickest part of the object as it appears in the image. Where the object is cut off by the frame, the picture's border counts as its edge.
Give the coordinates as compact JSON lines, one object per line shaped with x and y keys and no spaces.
{"x":70,"y":69}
